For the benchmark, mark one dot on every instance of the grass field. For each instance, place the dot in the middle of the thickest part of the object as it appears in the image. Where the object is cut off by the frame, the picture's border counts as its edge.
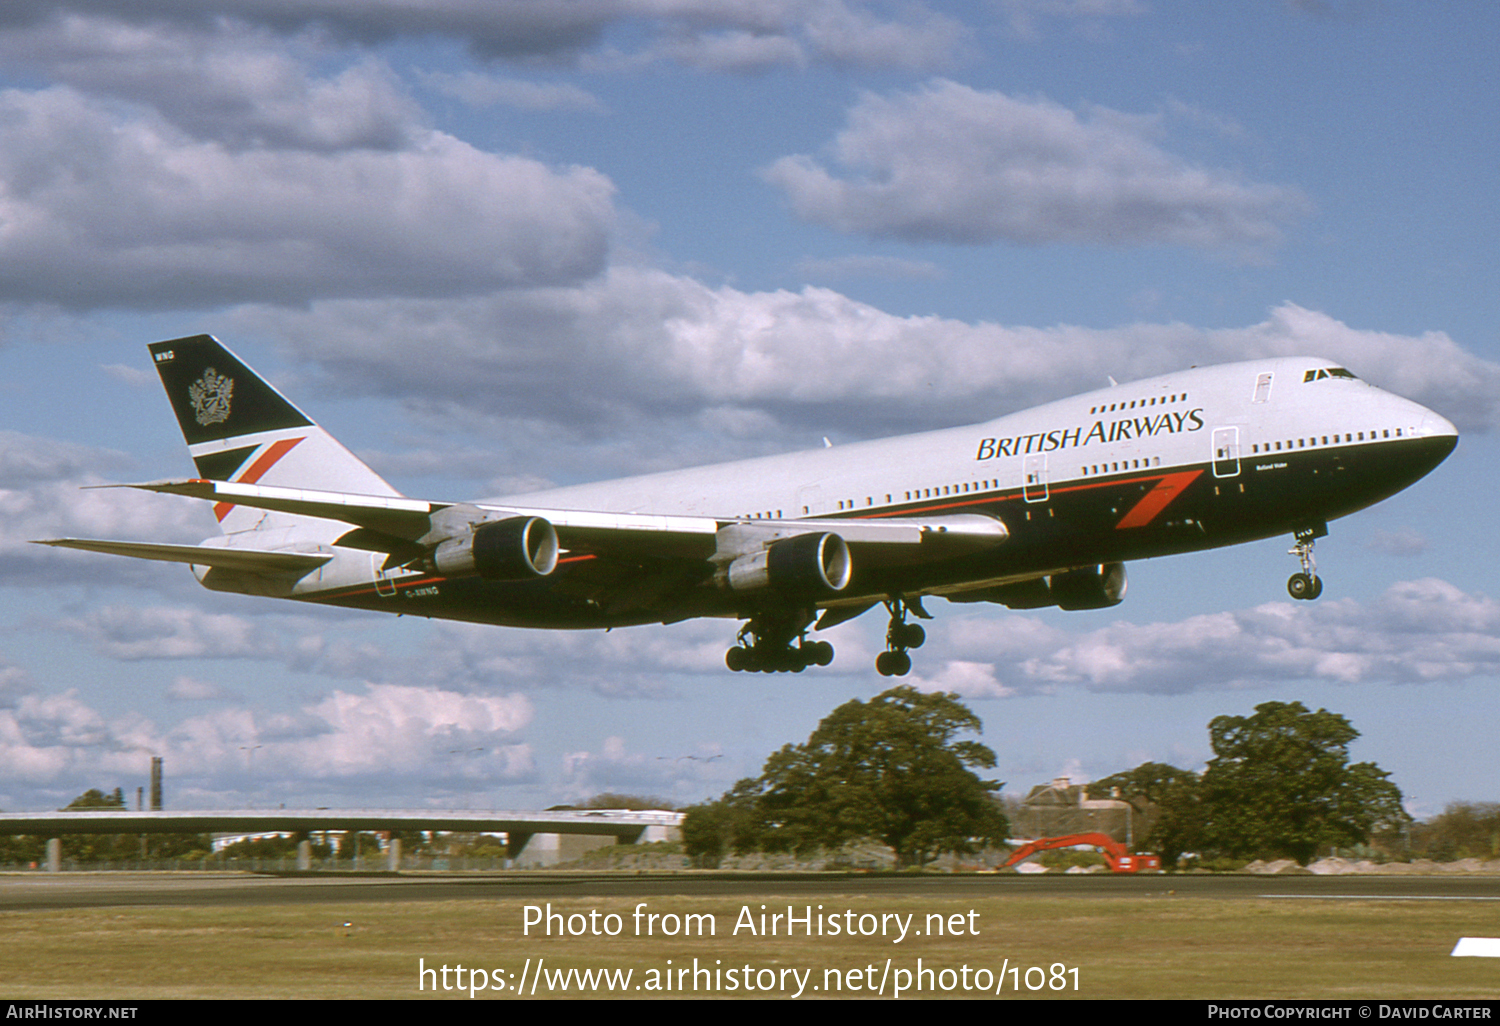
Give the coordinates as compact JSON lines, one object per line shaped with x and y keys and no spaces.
{"x":1158,"y":947}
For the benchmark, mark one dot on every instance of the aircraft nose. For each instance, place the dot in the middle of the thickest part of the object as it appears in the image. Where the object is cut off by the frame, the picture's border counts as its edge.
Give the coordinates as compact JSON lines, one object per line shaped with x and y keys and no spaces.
{"x":1435,"y":426}
{"x":1437,"y":437}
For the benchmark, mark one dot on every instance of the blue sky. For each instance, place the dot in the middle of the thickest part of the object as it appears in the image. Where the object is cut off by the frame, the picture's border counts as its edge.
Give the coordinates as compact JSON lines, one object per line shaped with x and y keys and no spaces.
{"x":495,"y":246}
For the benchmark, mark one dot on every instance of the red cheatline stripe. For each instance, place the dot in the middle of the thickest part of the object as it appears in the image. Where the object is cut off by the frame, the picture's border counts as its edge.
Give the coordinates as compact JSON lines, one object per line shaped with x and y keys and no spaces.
{"x":267,"y":460}
{"x":1157,"y":499}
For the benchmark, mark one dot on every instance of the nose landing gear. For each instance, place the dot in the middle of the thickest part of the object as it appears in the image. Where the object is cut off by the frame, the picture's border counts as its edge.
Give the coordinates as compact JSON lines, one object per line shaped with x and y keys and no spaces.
{"x":1307,"y":584}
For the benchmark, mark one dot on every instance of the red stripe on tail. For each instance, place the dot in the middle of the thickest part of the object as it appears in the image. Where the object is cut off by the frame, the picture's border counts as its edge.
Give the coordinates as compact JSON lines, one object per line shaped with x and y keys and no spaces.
{"x":265,"y":462}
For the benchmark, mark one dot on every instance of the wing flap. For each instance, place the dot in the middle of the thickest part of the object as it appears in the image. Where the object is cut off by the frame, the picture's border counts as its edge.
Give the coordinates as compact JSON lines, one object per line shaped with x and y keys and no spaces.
{"x":251,"y":560}
{"x":630,"y":535}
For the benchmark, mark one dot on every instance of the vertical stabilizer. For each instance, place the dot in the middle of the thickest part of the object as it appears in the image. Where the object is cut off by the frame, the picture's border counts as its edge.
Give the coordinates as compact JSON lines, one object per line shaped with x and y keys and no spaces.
{"x":239,"y":428}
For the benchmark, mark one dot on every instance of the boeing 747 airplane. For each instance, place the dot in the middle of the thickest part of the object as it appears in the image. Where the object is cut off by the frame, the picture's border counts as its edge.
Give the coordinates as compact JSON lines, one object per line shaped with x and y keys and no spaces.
{"x":1038,"y":508}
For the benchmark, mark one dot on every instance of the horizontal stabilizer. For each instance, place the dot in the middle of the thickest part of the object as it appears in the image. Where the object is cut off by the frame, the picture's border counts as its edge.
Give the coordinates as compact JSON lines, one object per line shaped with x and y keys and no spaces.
{"x":251,"y":560}
{"x":393,"y":515}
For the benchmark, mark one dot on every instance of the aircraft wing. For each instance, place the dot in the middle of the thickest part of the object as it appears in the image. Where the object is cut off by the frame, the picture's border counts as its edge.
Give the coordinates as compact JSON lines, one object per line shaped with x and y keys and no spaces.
{"x":397,"y":524}
{"x":252,"y":560}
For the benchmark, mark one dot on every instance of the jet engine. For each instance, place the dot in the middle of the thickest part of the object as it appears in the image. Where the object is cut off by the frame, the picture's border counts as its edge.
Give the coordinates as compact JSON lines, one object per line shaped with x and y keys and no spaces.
{"x":805,"y":565}
{"x":1095,"y":587}
{"x":1032,"y":594}
{"x":513,"y":549}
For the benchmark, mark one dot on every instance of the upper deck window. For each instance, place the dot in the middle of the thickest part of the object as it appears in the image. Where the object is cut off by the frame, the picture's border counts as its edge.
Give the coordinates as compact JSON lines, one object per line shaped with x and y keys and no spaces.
{"x":1327,"y":372}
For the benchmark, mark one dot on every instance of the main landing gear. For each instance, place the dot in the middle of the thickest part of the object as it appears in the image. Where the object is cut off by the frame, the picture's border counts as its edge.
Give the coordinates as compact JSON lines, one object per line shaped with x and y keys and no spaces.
{"x":1307,"y":584}
{"x":900,"y":636}
{"x":765,"y":646}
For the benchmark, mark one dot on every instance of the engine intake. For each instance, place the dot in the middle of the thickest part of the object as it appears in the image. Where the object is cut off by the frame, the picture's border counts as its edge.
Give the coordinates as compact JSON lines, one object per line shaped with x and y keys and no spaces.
{"x":806,"y":565}
{"x":500,"y":550}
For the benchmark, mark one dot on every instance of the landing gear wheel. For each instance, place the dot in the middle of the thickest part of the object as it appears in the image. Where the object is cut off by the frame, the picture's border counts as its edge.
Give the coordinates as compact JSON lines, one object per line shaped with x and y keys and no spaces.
{"x":776,"y":642}
{"x":1306,"y":585}
{"x":817,"y":653}
{"x":900,"y":636}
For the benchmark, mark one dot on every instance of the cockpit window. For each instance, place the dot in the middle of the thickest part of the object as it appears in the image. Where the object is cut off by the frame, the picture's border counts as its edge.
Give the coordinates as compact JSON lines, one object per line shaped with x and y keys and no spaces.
{"x":1327,"y":372}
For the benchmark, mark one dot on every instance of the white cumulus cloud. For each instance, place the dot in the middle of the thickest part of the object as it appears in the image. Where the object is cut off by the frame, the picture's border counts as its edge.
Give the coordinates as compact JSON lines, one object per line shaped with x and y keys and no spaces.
{"x":1415,"y":632}
{"x":949,"y":163}
{"x":98,"y":209}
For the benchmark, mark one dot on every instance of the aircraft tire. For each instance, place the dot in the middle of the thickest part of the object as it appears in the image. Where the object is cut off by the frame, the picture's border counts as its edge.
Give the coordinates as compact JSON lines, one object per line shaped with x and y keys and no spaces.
{"x":1300,"y":586}
{"x":912,"y":635}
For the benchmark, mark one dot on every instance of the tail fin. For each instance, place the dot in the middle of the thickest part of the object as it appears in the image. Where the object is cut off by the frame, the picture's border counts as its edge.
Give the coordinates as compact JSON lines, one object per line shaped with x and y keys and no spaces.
{"x":239,"y":428}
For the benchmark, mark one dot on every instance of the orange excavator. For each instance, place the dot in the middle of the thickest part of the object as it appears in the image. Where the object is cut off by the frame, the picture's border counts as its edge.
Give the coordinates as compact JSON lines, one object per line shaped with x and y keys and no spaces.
{"x":1119,"y":858}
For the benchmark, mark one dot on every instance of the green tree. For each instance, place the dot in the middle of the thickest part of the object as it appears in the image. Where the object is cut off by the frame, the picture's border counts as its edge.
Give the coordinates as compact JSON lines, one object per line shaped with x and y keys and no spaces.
{"x":1280,"y":784}
{"x":21,"y":849}
{"x":707,"y":833}
{"x":888,"y":769}
{"x":102,"y":847}
{"x":1462,"y":830}
{"x":1167,"y":803}
{"x":634,"y":802}
{"x":94,"y":798}
{"x":711,"y":830}
{"x":99,"y":847}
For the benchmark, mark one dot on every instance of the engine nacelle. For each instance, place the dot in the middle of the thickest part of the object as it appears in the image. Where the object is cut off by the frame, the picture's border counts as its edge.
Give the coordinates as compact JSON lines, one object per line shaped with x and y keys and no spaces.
{"x":500,"y":550}
{"x":1096,"y":587}
{"x":807,"y":565}
{"x":1032,"y":594}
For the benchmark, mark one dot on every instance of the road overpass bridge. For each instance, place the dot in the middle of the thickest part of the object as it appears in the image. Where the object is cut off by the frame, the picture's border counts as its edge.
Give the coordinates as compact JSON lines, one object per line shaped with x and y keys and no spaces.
{"x":627,"y":827}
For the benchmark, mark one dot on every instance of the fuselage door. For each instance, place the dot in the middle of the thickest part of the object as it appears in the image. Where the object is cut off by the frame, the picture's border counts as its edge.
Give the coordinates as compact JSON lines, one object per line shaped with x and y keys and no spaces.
{"x":1262,"y":389}
{"x":385,"y":579}
{"x":1227,"y":452}
{"x":1034,"y":476}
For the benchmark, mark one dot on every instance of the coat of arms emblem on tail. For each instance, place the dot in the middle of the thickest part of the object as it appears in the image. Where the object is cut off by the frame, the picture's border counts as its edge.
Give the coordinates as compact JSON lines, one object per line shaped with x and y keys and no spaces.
{"x":210,"y":395}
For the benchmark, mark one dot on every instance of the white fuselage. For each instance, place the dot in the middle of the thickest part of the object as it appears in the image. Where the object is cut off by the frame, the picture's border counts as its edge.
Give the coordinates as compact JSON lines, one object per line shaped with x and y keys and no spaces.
{"x":1176,"y":420}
